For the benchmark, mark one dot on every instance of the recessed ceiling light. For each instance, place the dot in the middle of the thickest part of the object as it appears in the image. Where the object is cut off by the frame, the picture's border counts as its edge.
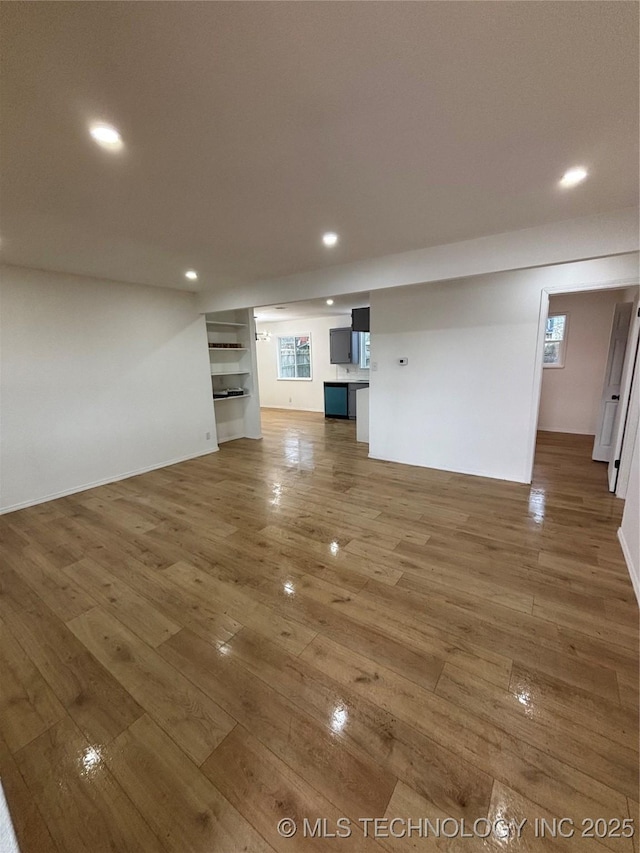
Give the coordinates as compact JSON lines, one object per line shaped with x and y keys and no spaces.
{"x":192,"y":275}
{"x":330,"y":238}
{"x":107,"y":136}
{"x":573,"y":176}
{"x":329,"y":301}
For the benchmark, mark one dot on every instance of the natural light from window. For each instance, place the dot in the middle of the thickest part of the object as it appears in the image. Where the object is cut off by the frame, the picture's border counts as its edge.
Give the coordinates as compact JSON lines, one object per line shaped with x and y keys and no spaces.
{"x":294,"y":357}
{"x":554,"y":340}
{"x":365,"y":349}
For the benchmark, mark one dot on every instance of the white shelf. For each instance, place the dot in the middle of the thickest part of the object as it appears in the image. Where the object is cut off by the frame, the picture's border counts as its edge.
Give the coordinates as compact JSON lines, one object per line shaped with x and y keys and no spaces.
{"x":232,"y":364}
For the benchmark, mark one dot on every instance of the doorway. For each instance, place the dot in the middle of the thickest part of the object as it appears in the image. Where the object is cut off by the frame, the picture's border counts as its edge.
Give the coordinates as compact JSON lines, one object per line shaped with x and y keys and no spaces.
{"x":310,"y":359}
{"x":590,"y":340}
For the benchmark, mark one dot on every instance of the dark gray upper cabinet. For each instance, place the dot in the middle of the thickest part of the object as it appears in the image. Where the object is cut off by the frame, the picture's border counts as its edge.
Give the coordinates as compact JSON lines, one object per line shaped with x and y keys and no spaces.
{"x":343,"y":346}
{"x":360,"y":320}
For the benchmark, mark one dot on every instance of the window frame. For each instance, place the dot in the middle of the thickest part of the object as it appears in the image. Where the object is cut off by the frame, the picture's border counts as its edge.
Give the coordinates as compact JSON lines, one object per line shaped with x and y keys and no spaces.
{"x":562,"y":349}
{"x":362,"y":349}
{"x":281,"y":378}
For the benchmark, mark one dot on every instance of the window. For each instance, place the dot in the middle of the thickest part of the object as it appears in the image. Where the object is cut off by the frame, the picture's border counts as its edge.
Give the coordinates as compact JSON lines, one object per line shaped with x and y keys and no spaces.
{"x":555,"y":340}
{"x":294,"y":357}
{"x":365,"y":349}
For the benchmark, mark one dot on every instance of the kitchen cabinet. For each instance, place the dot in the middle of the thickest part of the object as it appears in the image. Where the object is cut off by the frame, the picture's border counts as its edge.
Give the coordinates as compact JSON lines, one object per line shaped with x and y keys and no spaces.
{"x":336,"y":400}
{"x":340,"y":399}
{"x":343,"y":346}
{"x":360,"y":320}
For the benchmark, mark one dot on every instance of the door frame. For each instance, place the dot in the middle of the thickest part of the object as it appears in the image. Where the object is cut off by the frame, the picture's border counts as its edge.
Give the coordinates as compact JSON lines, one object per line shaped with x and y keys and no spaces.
{"x":620,"y":411}
{"x":624,"y":450}
{"x":554,"y":290}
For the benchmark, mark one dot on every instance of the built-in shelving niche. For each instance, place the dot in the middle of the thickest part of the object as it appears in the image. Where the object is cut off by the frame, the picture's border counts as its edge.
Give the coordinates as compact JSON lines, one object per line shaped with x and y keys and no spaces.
{"x":232,"y":359}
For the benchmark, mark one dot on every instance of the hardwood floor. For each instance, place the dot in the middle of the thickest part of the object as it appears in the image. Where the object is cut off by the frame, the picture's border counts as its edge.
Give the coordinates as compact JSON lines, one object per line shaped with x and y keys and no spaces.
{"x":289,"y":629}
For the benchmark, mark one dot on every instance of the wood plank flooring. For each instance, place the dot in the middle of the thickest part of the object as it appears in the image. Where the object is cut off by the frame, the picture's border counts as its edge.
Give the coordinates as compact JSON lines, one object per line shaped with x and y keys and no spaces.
{"x":288,"y":629}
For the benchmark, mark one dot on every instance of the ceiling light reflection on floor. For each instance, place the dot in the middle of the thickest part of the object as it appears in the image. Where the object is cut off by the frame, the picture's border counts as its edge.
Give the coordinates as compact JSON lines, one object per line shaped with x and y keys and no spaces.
{"x":339,"y":718}
{"x":91,"y":760}
{"x":537,"y":504}
{"x":524,"y":698}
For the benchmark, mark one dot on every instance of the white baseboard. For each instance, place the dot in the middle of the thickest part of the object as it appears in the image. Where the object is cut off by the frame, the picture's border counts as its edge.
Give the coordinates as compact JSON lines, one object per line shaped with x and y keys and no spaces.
{"x":239,"y":435}
{"x":567,"y":431}
{"x":231,"y":438}
{"x":471,"y":473}
{"x":634,"y":571}
{"x":105,"y":482}
{"x":292,"y":409}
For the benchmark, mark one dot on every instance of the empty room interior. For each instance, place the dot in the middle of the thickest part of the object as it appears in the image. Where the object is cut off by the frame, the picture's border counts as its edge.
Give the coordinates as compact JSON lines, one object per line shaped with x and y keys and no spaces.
{"x":319,"y":408}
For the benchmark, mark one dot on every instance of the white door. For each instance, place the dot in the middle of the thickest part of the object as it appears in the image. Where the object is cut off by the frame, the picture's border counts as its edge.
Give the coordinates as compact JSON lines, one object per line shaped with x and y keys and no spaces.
{"x":626,"y":423}
{"x":610,"y":403}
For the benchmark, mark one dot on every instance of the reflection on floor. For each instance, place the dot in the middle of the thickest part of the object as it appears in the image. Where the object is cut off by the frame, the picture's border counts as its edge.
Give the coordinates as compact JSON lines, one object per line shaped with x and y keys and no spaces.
{"x":287,"y":629}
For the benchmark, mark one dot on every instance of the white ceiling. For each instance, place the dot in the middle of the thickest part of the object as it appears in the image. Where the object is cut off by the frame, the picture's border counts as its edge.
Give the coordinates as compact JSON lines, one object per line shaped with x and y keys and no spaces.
{"x":311,"y":308}
{"x":251,"y":128}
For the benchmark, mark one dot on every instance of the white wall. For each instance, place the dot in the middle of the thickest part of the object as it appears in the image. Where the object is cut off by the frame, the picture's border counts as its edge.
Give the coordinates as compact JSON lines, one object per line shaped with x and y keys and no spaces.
{"x":467,"y":401}
{"x":601,"y":235}
{"x":570,"y":399}
{"x":99,"y":380}
{"x":301,"y":394}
